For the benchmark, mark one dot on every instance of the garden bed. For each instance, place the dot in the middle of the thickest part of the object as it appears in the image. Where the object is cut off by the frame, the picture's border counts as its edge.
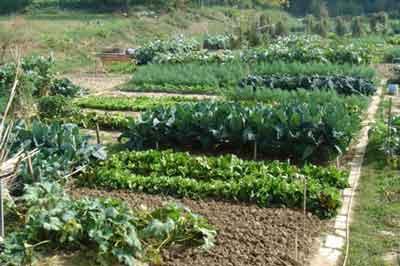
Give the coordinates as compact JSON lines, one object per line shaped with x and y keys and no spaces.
{"x":247,"y":234}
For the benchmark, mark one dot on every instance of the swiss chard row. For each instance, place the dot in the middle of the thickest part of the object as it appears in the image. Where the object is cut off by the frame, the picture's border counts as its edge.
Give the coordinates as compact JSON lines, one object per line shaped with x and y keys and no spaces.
{"x":341,"y":84}
{"x":227,"y":178}
{"x":297,"y":130}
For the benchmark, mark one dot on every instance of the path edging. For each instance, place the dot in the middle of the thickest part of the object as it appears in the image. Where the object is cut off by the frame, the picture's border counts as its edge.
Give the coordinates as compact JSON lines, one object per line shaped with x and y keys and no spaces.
{"x":332,"y":245}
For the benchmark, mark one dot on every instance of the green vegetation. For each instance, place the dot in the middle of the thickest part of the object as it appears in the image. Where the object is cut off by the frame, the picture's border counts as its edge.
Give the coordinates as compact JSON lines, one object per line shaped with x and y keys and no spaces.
{"x":374,"y":229}
{"x":353,"y":103}
{"x":128,"y":104}
{"x":227,"y":177}
{"x":341,"y":84}
{"x":106,"y":121}
{"x":308,"y":49}
{"x":47,"y":218}
{"x":210,"y":78}
{"x":61,"y":150}
{"x":65,"y":88}
{"x":296,"y":130}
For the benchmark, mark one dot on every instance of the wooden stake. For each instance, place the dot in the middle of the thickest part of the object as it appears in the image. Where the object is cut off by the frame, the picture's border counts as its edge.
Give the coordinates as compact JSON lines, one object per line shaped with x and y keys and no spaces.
{"x":98,"y":133}
{"x":30,"y":167}
{"x":255,"y":150}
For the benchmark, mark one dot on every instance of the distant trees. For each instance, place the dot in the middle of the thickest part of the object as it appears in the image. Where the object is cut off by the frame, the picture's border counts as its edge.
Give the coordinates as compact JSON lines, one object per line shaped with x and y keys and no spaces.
{"x":7,"y":6}
{"x":343,"y":7}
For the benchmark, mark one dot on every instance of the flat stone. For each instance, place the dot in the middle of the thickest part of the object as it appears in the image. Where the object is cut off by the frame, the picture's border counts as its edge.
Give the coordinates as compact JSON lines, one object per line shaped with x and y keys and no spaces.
{"x":340,"y":225}
{"x":334,"y":242}
{"x":341,"y":232}
{"x":345,"y":207}
{"x":347,"y":192}
{"x":391,"y":259}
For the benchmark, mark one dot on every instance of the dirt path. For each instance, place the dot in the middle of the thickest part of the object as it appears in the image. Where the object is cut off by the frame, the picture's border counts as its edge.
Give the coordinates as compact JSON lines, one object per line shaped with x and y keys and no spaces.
{"x":107,"y":85}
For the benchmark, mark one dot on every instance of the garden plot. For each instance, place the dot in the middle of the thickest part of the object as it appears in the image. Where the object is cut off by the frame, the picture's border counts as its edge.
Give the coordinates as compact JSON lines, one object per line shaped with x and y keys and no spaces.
{"x":255,"y":160}
{"x":247,"y":234}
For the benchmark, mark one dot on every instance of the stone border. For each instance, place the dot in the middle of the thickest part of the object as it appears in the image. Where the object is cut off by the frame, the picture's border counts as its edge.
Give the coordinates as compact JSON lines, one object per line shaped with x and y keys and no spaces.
{"x":332,"y":245}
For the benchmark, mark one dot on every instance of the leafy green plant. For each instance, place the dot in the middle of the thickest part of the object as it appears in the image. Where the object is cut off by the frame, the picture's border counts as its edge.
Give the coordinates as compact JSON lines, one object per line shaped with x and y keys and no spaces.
{"x":54,"y":106}
{"x":116,"y":233}
{"x":110,"y":121}
{"x":65,"y":87}
{"x":342,"y":84}
{"x":210,"y":78}
{"x":227,"y":177}
{"x":150,"y":51}
{"x":218,"y":42}
{"x":128,"y":104}
{"x":61,"y":150}
{"x":311,"y":49}
{"x":297,"y":130}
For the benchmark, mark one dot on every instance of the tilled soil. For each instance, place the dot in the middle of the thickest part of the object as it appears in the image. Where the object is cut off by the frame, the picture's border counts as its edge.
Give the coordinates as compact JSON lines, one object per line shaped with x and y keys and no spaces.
{"x":247,"y":235}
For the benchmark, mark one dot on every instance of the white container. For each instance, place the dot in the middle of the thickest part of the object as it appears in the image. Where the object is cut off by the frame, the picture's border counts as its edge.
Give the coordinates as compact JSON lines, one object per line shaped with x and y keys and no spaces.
{"x":393,"y":89}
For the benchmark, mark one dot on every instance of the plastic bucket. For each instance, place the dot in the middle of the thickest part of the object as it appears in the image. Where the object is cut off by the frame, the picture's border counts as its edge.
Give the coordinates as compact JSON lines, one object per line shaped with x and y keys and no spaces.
{"x":393,"y":89}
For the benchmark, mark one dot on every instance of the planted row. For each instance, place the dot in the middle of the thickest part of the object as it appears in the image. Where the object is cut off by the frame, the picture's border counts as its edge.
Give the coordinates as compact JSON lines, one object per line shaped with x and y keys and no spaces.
{"x":210,"y":78}
{"x":307,"y":49}
{"x":128,"y":104}
{"x":297,"y":130}
{"x":341,"y":84}
{"x":229,"y":178}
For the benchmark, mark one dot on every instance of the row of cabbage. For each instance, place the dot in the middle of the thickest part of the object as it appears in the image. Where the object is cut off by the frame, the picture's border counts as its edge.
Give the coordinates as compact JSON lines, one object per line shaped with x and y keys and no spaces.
{"x":293,"y":48}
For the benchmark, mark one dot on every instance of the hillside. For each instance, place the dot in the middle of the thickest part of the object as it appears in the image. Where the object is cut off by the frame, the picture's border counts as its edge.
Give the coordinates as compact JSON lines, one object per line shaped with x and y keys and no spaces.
{"x":76,"y":36}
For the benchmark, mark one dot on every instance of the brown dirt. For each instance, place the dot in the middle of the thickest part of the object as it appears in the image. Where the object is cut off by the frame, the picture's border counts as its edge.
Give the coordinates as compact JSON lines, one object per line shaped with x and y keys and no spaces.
{"x":247,"y":234}
{"x":106,"y":85}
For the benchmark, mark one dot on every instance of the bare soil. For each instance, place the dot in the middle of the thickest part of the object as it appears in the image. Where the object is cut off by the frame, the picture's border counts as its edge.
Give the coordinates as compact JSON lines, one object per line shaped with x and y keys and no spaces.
{"x":107,"y":85}
{"x":247,"y":234}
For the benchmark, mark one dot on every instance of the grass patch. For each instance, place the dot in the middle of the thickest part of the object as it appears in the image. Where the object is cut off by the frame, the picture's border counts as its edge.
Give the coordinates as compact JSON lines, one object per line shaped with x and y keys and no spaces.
{"x":375,"y":228}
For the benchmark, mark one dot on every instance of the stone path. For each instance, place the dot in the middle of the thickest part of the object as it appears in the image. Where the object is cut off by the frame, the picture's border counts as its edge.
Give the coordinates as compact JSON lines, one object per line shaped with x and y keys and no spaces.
{"x":333,"y":245}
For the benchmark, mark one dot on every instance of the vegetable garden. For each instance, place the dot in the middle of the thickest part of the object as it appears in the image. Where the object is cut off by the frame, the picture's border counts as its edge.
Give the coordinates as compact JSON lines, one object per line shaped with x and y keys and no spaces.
{"x":267,"y":140}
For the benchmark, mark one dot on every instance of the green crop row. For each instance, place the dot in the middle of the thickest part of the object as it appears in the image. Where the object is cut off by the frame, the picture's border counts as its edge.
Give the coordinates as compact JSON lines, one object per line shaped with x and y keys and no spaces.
{"x":342,"y":84}
{"x":353,"y":103}
{"x":128,"y":104}
{"x":210,"y":78}
{"x":229,"y":178}
{"x":297,"y":130}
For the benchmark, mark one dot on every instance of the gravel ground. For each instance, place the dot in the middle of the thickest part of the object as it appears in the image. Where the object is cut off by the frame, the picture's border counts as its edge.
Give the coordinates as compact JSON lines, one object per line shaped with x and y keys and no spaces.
{"x":247,"y":235}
